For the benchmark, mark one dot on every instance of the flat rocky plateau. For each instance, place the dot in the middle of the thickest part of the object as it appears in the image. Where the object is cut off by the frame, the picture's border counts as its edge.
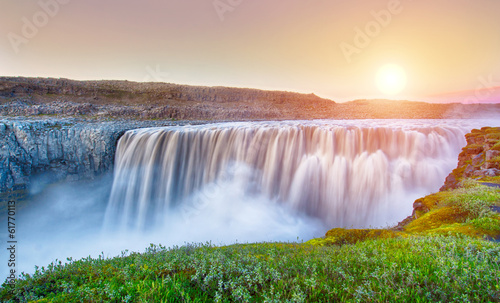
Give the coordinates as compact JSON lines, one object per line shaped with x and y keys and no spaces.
{"x":104,"y":100}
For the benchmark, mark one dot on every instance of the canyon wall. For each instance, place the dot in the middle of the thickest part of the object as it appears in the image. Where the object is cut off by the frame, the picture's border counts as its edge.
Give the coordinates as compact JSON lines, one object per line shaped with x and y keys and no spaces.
{"x":65,"y":149}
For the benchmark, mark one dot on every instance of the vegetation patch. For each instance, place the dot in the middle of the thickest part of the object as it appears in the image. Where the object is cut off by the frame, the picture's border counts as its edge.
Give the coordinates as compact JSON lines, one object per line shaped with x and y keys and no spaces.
{"x":432,"y":201}
{"x":464,"y":210}
{"x":436,"y":219}
{"x":417,"y":269}
{"x":341,"y":236}
{"x":475,"y":199}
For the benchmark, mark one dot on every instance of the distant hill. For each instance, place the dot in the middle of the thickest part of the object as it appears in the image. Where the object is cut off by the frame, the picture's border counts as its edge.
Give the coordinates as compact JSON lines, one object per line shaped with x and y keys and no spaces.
{"x":20,"y":96}
{"x":143,"y":92}
{"x":481,"y":95}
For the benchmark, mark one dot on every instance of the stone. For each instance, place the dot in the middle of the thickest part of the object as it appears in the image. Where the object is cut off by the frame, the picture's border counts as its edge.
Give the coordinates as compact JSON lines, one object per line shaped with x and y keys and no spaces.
{"x":490,"y":143}
{"x":419,"y":207}
{"x":469,"y":170}
{"x":65,"y":149}
{"x":478,"y":159}
{"x":491,"y":154}
{"x":489,"y":163}
{"x":449,"y":183}
{"x":493,"y":172}
{"x":474,"y":150}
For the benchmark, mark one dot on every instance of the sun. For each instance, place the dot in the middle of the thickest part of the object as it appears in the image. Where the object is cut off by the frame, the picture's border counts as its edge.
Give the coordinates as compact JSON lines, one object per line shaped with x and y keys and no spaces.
{"x":391,"y":79}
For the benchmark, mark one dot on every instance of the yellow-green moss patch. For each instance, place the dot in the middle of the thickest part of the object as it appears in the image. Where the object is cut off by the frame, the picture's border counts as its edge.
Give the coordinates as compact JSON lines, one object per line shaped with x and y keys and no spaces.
{"x":341,"y":236}
{"x":437,"y":218}
{"x":432,"y":201}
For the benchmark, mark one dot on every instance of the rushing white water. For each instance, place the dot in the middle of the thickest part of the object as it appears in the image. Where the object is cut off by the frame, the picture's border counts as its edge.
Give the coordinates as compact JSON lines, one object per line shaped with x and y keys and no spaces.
{"x":241,"y":182}
{"x":344,"y":173}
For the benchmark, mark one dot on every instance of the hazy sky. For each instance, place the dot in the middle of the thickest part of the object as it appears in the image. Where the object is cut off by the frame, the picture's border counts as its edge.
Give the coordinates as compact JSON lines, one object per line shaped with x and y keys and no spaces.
{"x":332,"y":48}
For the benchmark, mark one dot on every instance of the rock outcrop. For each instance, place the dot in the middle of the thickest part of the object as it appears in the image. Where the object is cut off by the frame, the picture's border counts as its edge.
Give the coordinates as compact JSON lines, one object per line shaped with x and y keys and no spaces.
{"x":61,"y":149}
{"x":480,"y":159}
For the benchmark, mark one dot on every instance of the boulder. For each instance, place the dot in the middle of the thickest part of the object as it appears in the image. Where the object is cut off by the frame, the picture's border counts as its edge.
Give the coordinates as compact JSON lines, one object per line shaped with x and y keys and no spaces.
{"x":469,"y":170}
{"x":492,"y":172}
{"x":478,"y":159}
{"x":491,"y":154}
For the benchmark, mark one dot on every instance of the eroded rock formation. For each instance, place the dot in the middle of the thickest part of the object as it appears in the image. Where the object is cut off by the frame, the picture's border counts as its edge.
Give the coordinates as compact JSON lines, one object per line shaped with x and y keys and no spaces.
{"x":480,"y":159}
{"x":64,"y":149}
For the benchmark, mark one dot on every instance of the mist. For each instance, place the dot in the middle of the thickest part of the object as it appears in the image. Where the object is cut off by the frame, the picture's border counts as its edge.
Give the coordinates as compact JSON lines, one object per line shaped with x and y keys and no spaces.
{"x":66,"y":220}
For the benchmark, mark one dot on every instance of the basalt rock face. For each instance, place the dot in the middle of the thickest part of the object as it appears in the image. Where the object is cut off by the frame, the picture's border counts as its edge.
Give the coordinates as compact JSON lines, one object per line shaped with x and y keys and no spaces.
{"x":479,"y":159}
{"x":60,"y":149}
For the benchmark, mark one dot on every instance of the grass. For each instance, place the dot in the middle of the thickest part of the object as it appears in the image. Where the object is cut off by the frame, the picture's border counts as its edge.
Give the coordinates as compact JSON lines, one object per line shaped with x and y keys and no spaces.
{"x":341,"y":236}
{"x":465,"y":210}
{"x":416,"y":269}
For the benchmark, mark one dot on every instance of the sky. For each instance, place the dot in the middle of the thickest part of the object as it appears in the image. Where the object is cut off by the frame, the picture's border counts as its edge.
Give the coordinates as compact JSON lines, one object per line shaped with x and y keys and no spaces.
{"x":333,"y":48}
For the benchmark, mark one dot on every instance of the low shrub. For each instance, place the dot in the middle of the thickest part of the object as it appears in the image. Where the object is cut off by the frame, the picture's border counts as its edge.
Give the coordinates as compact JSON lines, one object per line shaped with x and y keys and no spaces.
{"x":415,"y":269}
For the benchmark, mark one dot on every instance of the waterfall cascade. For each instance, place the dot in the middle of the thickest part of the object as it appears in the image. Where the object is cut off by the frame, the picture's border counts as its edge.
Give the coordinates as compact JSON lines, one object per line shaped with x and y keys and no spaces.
{"x":344,"y":173}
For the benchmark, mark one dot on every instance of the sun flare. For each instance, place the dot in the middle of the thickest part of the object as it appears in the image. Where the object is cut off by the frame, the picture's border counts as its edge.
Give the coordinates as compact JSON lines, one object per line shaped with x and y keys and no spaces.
{"x":391,"y":79}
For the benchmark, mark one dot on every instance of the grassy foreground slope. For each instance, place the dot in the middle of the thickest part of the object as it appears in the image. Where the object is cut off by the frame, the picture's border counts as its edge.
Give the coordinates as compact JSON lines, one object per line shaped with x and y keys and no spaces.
{"x":419,"y":269}
{"x":447,"y":251}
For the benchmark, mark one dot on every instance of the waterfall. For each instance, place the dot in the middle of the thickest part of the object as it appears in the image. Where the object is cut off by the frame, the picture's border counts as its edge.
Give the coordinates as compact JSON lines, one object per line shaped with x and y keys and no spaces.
{"x":343,"y":173}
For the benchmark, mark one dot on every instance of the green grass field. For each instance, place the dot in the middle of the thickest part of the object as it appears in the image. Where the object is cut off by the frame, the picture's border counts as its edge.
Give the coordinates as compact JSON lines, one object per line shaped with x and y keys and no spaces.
{"x":414,"y":269}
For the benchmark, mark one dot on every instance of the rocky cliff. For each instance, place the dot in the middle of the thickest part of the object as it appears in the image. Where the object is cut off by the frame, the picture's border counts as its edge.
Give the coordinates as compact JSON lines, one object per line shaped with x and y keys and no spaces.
{"x":65,"y":149}
{"x":480,"y":159}
{"x":468,"y":203}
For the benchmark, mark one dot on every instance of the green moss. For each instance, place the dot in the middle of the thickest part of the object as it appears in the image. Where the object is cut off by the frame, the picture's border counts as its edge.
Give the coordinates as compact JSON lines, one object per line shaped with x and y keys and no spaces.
{"x":118,"y":94}
{"x":432,"y":201}
{"x":474,"y":132}
{"x":459,"y":171}
{"x":319,"y":242}
{"x":477,"y":228}
{"x":437,"y":218}
{"x":341,"y":236}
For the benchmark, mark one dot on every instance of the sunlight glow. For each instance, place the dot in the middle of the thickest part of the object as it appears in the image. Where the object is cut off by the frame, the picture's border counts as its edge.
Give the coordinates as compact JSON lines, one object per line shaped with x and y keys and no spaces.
{"x":391,"y":79}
